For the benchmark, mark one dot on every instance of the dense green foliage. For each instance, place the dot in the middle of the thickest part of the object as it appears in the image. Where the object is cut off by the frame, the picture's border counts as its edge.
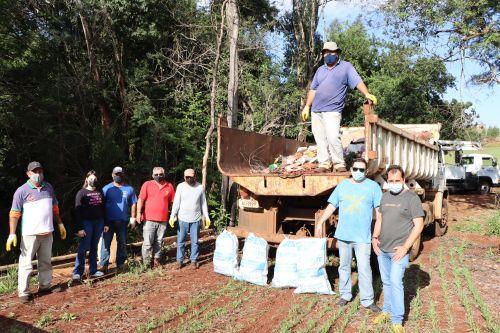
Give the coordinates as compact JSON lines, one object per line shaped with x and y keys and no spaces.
{"x":52,"y":106}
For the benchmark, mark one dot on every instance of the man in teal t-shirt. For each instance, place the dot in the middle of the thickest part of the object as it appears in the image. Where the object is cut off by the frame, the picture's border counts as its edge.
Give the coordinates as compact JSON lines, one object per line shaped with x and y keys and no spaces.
{"x":355,"y":198}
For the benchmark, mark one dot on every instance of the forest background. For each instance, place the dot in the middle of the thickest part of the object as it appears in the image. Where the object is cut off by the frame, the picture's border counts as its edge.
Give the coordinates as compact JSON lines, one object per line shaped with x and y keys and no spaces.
{"x":91,"y":84}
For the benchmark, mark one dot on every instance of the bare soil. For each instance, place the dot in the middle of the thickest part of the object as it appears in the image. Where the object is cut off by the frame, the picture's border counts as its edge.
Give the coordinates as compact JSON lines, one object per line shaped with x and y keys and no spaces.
{"x":189,"y":300}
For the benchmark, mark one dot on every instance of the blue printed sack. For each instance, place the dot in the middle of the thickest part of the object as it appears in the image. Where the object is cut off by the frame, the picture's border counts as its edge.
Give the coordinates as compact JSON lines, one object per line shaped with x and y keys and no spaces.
{"x":226,"y":253}
{"x":311,"y":267}
{"x":285,"y":268}
{"x":253,"y":265}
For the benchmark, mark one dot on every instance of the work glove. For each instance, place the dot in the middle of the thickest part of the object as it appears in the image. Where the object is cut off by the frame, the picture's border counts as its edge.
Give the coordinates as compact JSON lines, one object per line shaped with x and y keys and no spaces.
{"x":172,"y":221}
{"x":82,"y":233}
{"x":131,"y":222}
{"x":207,"y":222}
{"x":305,"y":113}
{"x":11,"y":241}
{"x":62,"y":231}
{"x":372,"y":98}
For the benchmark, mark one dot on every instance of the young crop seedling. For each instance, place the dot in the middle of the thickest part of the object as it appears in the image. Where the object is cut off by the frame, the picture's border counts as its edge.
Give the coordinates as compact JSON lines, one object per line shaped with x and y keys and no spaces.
{"x":44,"y":320}
{"x":68,"y":316}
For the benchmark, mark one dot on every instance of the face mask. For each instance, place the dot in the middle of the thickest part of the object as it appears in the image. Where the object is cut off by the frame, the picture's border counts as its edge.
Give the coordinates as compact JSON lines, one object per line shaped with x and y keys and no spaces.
{"x":395,"y":187}
{"x":117,"y":179}
{"x":190,"y":181}
{"x":158,"y":178}
{"x":36,"y":178}
{"x":330,"y":59}
{"x":92,"y":182}
{"x":358,"y":175}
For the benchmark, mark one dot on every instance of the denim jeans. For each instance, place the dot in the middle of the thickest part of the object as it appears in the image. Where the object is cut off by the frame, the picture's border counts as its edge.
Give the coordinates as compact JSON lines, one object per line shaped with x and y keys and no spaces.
{"x":392,"y":279}
{"x":182,"y":230}
{"x":152,"y":233}
{"x":93,"y":232}
{"x":363,"y":252}
{"x":120,"y":227}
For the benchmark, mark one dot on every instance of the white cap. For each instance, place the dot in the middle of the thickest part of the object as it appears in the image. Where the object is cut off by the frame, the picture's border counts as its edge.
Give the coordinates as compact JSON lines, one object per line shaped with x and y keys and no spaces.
{"x":331,"y":46}
{"x":117,"y":169}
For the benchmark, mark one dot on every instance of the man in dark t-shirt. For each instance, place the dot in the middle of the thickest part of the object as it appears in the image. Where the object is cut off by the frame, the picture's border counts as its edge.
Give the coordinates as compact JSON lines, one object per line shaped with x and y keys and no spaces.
{"x":393,"y":236}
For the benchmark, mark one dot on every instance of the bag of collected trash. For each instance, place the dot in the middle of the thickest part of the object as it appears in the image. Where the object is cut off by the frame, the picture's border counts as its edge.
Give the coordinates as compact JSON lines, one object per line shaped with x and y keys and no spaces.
{"x":311,"y":267}
{"x":226,"y":253}
{"x":285,"y":268}
{"x":253,"y":265}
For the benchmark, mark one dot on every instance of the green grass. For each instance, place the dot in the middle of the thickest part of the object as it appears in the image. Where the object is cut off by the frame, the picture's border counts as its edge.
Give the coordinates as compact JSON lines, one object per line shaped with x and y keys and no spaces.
{"x":487,"y":224}
{"x":44,"y":320}
{"x":8,"y":282}
{"x":493,"y":224}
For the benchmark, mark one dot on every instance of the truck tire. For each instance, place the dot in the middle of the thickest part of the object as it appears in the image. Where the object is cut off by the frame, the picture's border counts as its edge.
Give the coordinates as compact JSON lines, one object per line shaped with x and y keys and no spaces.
{"x":441,"y":225}
{"x":483,"y":187}
{"x":415,"y":249}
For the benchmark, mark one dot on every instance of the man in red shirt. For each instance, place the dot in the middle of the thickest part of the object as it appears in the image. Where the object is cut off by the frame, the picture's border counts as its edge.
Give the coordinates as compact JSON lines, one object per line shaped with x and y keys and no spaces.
{"x":155,"y":197}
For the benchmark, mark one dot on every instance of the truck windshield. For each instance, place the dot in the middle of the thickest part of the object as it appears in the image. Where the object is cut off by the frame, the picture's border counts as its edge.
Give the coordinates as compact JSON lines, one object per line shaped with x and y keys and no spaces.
{"x":467,"y":160}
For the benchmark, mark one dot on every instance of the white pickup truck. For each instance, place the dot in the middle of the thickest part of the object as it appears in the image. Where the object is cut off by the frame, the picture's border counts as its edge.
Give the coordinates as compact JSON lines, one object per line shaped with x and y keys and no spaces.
{"x":477,"y":172}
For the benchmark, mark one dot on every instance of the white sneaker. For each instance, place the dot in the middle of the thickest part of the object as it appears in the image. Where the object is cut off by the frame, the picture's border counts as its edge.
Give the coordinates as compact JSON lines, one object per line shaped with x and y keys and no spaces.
{"x":97,"y":274}
{"x":76,"y":277}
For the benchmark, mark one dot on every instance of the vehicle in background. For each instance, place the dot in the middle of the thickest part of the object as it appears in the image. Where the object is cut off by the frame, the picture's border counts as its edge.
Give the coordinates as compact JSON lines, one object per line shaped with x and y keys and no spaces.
{"x":275,"y":206}
{"x":471,"y":172}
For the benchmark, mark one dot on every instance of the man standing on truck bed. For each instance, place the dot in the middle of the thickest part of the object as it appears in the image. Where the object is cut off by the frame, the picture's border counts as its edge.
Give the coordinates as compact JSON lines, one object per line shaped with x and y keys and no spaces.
{"x":393,"y":236}
{"x":356,"y":198}
{"x":327,"y":97}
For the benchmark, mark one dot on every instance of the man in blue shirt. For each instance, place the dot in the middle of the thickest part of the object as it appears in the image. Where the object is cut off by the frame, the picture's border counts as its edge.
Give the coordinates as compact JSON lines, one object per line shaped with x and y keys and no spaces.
{"x":356,"y":198}
{"x":327,"y":97}
{"x":120,"y":205}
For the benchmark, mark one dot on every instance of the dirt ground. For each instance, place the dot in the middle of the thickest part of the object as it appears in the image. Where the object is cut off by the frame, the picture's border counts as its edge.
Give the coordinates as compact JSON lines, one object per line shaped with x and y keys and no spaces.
{"x":453,"y":286}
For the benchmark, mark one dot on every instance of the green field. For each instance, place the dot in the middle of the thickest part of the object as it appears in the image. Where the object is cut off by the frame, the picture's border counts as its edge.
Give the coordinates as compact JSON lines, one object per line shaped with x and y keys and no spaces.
{"x":491,"y":149}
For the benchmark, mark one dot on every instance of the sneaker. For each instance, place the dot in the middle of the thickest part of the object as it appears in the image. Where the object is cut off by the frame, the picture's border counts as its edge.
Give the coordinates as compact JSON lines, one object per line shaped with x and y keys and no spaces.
{"x":178,"y":265}
{"x":373,"y":307}
{"x":49,"y":290}
{"x":324,"y":167}
{"x":339,"y":168}
{"x":97,"y":274}
{"x":121,"y":268}
{"x":195,"y":265}
{"x":342,"y":302}
{"x":103,"y":269}
{"x":76,"y":277}
{"x":25,"y":299}
{"x":382,"y":318}
{"x":398,"y":328}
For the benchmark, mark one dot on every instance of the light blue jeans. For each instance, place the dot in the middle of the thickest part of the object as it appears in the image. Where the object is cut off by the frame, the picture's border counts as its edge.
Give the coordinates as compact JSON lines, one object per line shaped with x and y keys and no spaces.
{"x":193,"y":229}
{"x":362,"y":252}
{"x":392,"y":279}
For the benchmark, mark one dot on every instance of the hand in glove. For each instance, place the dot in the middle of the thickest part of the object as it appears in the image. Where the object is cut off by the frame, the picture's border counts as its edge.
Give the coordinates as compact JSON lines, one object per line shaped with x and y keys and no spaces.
{"x":172,"y":221}
{"x":371,"y":98}
{"x":62,"y":231}
{"x":11,"y":241}
{"x":305,"y":113}
{"x":131,"y":222}
{"x":207,"y":222}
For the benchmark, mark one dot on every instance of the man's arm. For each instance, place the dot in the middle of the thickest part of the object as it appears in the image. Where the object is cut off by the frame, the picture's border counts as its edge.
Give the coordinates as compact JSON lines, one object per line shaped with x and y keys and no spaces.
{"x":376,"y":231}
{"x":330,"y":209}
{"x":136,"y":209}
{"x":13,"y":220}
{"x":310,"y":97}
{"x":401,"y":251}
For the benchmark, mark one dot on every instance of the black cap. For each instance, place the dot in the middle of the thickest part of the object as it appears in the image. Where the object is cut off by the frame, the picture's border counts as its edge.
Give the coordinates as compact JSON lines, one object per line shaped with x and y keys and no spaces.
{"x":33,"y":165}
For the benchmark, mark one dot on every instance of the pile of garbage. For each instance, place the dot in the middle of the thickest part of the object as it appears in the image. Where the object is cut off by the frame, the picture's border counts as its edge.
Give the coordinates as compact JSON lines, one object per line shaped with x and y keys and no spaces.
{"x":304,"y":160}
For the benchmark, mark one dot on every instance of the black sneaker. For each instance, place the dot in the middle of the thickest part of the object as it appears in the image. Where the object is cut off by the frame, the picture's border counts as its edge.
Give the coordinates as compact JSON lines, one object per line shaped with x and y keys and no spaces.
{"x":50,"y":290}
{"x":25,"y":299}
{"x":373,"y":307}
{"x":178,"y":265}
{"x":342,"y":302}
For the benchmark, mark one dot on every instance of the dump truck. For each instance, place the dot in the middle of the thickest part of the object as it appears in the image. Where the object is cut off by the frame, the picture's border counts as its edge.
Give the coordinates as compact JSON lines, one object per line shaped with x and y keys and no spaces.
{"x":275,"y":206}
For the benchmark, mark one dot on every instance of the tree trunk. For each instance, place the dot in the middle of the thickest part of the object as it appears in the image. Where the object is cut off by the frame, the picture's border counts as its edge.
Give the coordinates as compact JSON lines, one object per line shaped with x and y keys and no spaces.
{"x":102,"y":106}
{"x":232,"y":20}
{"x":305,"y":23}
{"x":213,"y":98}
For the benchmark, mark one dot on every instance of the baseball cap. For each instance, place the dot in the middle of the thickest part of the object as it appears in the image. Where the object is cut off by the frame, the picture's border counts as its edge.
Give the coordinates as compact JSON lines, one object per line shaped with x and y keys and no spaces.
{"x":331,"y":46}
{"x":117,"y":169}
{"x":33,"y":165}
{"x":189,"y":173}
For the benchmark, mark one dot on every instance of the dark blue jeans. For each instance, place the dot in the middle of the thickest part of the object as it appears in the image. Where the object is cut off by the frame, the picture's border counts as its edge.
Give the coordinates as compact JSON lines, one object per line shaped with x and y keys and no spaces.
{"x":183,"y":229}
{"x":93,"y":231}
{"x":120,"y":228}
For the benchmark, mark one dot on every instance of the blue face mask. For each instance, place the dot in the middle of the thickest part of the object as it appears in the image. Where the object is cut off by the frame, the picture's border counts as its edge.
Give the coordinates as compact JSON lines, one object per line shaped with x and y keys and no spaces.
{"x":36,"y":178}
{"x":330,"y":59}
{"x":358,"y":176}
{"x":395,"y":187}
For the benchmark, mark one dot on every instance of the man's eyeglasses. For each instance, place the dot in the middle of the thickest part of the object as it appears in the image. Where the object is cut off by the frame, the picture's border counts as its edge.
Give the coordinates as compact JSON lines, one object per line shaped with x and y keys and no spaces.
{"x":158,"y":174}
{"x":358,"y":169}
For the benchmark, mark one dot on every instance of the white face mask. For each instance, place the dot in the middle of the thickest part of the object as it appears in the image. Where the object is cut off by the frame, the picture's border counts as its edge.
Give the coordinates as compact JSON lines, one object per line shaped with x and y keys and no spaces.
{"x":92,"y":181}
{"x":395,"y":187}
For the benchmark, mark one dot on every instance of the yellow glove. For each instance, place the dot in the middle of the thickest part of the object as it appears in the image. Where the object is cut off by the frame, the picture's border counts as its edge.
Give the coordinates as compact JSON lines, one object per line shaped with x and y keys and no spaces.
{"x":172,"y":222}
{"x":11,"y":241}
{"x":207,"y":222}
{"x":305,"y":113}
{"x":371,"y":98}
{"x":62,"y":231}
